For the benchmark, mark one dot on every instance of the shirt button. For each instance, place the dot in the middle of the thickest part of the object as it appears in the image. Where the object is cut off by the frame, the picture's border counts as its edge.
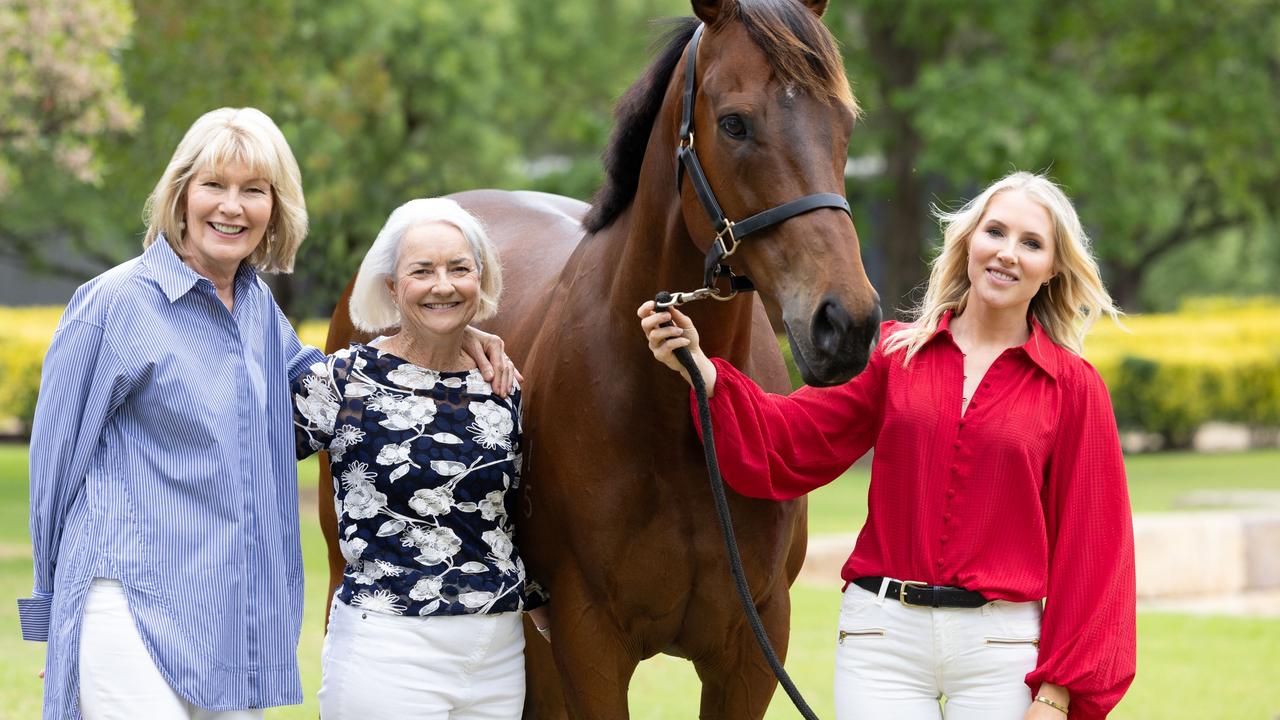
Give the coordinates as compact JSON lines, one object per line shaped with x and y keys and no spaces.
{"x":939,"y":562}
{"x":972,"y":404}
{"x":986,"y":384}
{"x":951,"y":493}
{"x":944,"y":538}
{"x":955,"y":468}
{"x":956,"y":445}
{"x":946,"y":517}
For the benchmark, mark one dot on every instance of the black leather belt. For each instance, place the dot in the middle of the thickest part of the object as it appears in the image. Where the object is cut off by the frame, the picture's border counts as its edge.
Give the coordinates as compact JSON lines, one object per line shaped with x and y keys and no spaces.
{"x":917,"y":593}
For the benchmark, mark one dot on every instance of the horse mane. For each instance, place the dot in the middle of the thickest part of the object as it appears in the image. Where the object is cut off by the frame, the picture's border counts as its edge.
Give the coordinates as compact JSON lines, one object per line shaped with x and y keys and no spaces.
{"x":634,"y":115}
{"x":799,"y":49}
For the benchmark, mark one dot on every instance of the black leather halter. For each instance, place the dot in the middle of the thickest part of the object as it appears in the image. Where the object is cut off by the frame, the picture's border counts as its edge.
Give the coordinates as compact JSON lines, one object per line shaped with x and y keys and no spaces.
{"x":728,"y":232}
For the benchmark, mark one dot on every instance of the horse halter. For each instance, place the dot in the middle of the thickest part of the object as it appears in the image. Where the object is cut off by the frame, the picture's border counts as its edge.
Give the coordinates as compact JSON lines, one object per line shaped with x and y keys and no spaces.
{"x":728,"y":233}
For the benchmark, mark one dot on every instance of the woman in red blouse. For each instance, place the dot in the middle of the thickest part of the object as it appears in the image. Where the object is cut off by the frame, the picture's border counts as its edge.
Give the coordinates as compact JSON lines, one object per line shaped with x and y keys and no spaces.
{"x":997,"y":480}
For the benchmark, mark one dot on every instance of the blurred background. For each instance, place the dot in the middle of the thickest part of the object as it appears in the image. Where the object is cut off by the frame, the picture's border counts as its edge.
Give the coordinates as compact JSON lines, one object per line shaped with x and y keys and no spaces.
{"x":1160,"y":118}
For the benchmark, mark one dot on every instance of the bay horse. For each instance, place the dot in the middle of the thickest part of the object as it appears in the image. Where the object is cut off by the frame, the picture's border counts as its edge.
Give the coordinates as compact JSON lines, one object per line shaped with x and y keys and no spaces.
{"x":616,"y":519}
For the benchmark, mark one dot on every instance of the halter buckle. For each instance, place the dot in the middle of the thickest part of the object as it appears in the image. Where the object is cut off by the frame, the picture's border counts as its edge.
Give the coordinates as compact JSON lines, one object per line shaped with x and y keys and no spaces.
{"x":686,"y":143}
{"x":728,"y":230}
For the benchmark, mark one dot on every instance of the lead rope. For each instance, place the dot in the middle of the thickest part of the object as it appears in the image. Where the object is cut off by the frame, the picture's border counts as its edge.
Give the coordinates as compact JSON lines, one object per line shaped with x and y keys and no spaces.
{"x":663,"y":301}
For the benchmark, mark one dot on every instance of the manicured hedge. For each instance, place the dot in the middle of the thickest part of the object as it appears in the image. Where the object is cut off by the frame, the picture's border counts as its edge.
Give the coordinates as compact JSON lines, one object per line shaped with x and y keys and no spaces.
{"x":1214,"y":359}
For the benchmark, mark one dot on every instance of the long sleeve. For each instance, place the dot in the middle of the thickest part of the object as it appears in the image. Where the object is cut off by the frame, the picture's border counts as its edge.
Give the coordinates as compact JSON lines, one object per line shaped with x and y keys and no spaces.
{"x":315,"y":407}
{"x":1088,"y":637}
{"x":780,"y":447}
{"x":81,"y":383}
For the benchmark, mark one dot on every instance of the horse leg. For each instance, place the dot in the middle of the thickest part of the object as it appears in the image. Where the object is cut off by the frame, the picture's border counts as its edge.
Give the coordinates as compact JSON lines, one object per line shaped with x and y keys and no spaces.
{"x":737,"y":682}
{"x":594,"y":657}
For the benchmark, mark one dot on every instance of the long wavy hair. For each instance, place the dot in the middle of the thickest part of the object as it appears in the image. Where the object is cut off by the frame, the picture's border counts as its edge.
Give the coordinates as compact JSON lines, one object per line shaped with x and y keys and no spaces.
{"x":1066,"y":307}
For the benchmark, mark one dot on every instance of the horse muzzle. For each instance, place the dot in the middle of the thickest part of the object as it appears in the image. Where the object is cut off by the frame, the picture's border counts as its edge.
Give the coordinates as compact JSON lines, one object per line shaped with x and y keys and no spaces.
{"x":837,"y":345}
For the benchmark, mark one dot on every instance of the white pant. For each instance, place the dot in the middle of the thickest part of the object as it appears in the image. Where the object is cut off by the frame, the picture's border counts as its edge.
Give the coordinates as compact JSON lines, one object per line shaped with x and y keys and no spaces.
{"x":427,"y":668}
{"x":118,"y":679}
{"x":894,"y":660}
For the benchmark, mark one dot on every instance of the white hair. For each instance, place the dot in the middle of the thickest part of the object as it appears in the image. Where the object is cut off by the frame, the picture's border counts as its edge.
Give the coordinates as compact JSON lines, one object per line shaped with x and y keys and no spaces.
{"x":372,"y":308}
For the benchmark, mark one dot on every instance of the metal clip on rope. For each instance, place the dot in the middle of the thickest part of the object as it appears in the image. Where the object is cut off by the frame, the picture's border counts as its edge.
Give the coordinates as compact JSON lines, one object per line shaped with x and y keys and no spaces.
{"x":663,"y":301}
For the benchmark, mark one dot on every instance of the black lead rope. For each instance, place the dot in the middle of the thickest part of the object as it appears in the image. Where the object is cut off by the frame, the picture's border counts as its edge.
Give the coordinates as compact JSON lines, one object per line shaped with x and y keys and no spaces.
{"x":663,"y":301}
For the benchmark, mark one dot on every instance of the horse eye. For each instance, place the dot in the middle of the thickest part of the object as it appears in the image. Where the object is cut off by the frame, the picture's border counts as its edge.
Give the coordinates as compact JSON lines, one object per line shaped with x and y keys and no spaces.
{"x":734,"y":125}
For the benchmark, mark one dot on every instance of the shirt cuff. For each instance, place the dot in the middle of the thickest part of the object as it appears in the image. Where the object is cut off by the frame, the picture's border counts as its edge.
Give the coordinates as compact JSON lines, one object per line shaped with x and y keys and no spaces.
{"x":33,"y":615}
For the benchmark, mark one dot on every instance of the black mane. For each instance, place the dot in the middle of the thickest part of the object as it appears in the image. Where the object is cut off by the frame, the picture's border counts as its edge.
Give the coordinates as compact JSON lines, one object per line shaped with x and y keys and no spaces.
{"x":634,"y":116}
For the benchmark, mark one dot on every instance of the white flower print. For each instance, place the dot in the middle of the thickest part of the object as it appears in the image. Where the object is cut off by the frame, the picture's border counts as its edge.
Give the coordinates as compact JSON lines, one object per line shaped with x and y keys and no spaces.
{"x":393,"y":454}
{"x":408,"y":412}
{"x":318,"y":406}
{"x":357,"y":473}
{"x":363,"y":502}
{"x":492,"y":507}
{"x":367,"y":572}
{"x":388,"y":569}
{"x":414,"y":377}
{"x":502,"y":547}
{"x":351,"y":549}
{"x":492,"y":425}
{"x":434,"y":545}
{"x":430,"y":502}
{"x":348,"y":435}
{"x":426,"y":588}
{"x":477,"y":385}
{"x":475,"y":598}
{"x":382,"y":601}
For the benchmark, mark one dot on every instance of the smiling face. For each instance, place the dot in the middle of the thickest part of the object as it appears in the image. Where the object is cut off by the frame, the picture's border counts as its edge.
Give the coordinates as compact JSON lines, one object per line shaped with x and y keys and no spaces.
{"x":1011,"y":253}
{"x":436,"y":284}
{"x":228,"y":211}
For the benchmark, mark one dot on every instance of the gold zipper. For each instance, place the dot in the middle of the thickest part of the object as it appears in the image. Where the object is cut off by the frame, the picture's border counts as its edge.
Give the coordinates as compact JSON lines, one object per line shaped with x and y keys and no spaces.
{"x":869,"y":632}
{"x":1013,"y":641}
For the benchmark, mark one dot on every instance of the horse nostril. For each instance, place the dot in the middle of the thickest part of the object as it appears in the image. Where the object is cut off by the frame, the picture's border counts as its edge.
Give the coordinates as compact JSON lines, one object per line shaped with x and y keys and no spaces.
{"x":831,"y":325}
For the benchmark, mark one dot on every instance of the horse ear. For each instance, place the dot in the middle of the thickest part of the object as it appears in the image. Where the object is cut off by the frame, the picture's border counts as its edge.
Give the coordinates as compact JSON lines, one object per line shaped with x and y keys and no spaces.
{"x":817,"y":6}
{"x":709,"y":10}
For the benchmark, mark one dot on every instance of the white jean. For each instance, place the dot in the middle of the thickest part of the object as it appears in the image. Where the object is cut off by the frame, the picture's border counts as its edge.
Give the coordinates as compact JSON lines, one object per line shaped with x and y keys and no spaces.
{"x":118,"y":678}
{"x":457,"y":667}
{"x":899,"y":661}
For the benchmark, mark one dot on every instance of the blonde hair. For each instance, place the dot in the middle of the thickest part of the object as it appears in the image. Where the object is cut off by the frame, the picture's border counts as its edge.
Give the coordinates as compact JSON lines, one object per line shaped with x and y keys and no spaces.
{"x":219,"y":138}
{"x":1071,"y":302}
{"x":372,"y":308}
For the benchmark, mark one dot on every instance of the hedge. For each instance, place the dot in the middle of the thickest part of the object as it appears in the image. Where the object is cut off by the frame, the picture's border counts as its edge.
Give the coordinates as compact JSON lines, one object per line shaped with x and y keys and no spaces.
{"x":1213,"y":359}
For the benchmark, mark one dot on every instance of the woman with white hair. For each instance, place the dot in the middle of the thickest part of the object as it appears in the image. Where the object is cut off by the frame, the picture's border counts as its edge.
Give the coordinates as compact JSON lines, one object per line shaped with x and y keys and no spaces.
{"x":164,"y":496}
{"x":425,"y":461}
{"x":997,"y":480}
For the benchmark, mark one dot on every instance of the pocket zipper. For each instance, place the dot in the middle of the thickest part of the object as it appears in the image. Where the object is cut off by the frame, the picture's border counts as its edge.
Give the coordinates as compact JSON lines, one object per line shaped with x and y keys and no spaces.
{"x":869,"y":632}
{"x":1013,"y":641}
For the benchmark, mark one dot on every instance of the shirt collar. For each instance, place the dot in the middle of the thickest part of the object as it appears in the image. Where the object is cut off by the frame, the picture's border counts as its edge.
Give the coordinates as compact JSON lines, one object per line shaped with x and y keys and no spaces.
{"x":1042,"y":350}
{"x":176,"y":278}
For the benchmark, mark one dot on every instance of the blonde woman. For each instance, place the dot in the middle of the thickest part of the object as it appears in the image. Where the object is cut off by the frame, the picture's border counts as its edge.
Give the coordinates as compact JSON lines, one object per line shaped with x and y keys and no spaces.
{"x":426,"y":462}
{"x":997,"y":481}
{"x":164,"y":518}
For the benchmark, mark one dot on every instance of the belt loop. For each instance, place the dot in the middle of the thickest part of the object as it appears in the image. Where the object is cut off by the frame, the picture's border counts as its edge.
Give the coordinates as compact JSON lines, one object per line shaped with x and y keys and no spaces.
{"x":884,"y":588}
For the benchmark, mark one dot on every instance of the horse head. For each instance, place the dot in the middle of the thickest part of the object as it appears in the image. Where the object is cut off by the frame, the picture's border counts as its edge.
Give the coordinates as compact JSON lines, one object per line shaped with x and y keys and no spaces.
{"x":771,"y":118}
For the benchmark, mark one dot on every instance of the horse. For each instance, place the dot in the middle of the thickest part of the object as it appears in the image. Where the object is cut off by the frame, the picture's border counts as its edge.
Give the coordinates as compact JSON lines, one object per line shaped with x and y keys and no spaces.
{"x":616,"y":519}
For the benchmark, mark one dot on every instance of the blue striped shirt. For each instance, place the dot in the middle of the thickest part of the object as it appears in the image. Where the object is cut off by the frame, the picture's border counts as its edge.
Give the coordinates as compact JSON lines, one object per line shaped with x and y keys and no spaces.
{"x":162,"y":456}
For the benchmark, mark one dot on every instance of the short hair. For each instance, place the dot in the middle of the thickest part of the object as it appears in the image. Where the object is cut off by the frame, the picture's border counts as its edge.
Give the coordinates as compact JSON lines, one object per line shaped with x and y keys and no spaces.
{"x":372,"y":309}
{"x":218,"y":138}
{"x":1066,"y":307}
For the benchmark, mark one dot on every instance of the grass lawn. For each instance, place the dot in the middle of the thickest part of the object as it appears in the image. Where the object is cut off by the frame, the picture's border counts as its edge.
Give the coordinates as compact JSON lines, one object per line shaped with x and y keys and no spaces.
{"x":1188,"y":667}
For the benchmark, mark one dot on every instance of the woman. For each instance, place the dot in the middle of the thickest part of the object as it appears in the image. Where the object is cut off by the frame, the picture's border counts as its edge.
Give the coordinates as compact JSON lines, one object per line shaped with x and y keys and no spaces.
{"x":997,"y":479}
{"x":164,"y":519}
{"x":426,"y":622}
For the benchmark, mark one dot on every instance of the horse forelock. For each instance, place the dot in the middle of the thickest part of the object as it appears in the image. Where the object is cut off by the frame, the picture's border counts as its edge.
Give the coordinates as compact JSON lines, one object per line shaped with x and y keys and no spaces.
{"x":800,"y":51}
{"x":799,"y":48}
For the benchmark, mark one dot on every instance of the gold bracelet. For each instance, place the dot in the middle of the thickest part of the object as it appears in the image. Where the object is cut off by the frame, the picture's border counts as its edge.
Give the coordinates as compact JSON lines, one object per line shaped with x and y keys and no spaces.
{"x":1053,"y":704}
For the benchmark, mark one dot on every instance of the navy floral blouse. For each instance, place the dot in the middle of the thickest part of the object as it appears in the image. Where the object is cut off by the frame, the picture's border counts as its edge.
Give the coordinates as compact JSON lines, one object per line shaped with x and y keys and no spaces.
{"x":423,"y":465}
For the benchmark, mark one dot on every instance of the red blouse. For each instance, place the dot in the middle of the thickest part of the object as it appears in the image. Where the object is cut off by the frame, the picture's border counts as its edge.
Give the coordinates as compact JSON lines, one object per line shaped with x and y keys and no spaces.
{"x":1021,"y":498}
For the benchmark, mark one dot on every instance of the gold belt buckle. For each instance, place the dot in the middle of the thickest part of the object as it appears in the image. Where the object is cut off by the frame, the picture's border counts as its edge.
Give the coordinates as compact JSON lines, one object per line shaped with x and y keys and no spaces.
{"x":902,"y":591}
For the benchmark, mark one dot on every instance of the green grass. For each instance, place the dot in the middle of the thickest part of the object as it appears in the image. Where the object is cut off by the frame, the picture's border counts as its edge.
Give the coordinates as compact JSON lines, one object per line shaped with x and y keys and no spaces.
{"x":1188,"y":667}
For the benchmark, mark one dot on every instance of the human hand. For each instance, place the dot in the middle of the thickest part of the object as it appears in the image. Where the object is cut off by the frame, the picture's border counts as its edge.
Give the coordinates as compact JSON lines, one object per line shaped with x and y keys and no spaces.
{"x":541,"y":617}
{"x":664,"y":341}
{"x":40,"y":674}
{"x":489,"y":353}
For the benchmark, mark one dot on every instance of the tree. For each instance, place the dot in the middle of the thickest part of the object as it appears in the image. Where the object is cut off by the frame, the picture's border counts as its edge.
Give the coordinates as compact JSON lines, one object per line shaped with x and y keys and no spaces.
{"x":1159,"y":118}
